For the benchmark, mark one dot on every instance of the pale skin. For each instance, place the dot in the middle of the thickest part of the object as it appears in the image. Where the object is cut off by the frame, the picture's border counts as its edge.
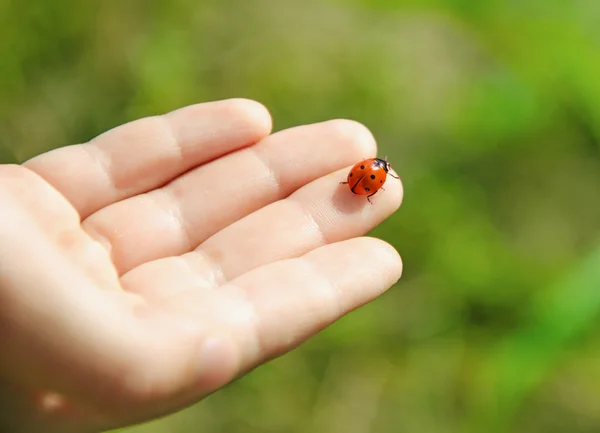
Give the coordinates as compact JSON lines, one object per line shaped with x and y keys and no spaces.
{"x":147,"y":268}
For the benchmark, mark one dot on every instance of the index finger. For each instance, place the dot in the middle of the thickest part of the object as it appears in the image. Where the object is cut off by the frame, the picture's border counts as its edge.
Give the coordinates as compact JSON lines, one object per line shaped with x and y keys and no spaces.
{"x":145,"y":154}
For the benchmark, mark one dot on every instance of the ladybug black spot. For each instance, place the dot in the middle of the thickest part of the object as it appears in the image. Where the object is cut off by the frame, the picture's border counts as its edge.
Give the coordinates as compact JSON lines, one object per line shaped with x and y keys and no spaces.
{"x":350,"y":174}
{"x":372,"y":176}
{"x":367,"y":189}
{"x":380,"y":181}
{"x":362,"y":167}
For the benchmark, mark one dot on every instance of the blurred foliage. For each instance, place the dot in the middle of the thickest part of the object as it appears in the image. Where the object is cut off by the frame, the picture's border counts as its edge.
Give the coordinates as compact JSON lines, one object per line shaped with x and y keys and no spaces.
{"x":490,"y":112}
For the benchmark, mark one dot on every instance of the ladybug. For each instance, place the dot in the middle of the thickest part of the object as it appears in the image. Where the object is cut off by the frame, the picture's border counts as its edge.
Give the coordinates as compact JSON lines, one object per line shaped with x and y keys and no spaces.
{"x":368,"y":176}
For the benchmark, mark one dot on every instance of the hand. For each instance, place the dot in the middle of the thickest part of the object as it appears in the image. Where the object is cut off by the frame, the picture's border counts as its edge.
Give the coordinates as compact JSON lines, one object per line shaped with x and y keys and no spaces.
{"x":147,"y":268}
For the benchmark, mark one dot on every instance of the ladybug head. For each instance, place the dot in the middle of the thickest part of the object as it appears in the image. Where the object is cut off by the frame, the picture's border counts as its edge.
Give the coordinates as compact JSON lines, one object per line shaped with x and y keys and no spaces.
{"x":383,"y":163}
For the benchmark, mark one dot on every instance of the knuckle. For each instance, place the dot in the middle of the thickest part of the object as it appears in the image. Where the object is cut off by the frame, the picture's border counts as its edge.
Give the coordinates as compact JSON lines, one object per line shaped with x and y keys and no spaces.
{"x":21,"y":188}
{"x":13,"y":172}
{"x":16,"y":182}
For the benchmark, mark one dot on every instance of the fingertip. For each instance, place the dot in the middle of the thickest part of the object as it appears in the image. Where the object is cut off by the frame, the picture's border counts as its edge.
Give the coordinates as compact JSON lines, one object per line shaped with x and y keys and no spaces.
{"x":254,"y":115}
{"x":388,"y":258}
{"x":393,"y":261}
{"x":239,"y":121}
{"x":354,"y":134}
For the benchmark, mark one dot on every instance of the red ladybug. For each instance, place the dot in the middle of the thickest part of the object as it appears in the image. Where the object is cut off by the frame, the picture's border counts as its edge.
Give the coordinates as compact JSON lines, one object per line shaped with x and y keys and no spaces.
{"x":368,"y":176}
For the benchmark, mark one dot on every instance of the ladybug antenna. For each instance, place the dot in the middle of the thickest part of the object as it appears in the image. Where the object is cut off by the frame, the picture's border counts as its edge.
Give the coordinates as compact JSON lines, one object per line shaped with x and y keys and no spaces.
{"x":389,"y":164}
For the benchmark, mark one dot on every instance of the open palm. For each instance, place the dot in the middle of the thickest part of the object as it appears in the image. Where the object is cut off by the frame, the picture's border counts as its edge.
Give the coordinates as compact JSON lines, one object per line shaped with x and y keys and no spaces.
{"x":147,"y":268}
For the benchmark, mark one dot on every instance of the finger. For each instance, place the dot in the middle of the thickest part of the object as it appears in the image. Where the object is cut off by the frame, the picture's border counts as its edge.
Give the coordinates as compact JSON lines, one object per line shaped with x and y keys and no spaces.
{"x":272,"y":309}
{"x":147,"y":153}
{"x":177,"y":218}
{"x":33,"y":211}
{"x":52,"y":280}
{"x":293,"y":300}
{"x":261,"y":315}
{"x":321,"y":212}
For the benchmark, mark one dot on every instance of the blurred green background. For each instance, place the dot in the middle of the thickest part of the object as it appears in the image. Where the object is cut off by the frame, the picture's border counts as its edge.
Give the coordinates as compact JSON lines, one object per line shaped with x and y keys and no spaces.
{"x":489,"y":111}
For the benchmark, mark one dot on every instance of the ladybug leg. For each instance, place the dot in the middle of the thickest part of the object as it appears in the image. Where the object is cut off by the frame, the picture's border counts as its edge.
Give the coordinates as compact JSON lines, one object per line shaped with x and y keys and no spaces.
{"x":344,"y":183}
{"x":395,"y":177}
{"x":371,"y":195}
